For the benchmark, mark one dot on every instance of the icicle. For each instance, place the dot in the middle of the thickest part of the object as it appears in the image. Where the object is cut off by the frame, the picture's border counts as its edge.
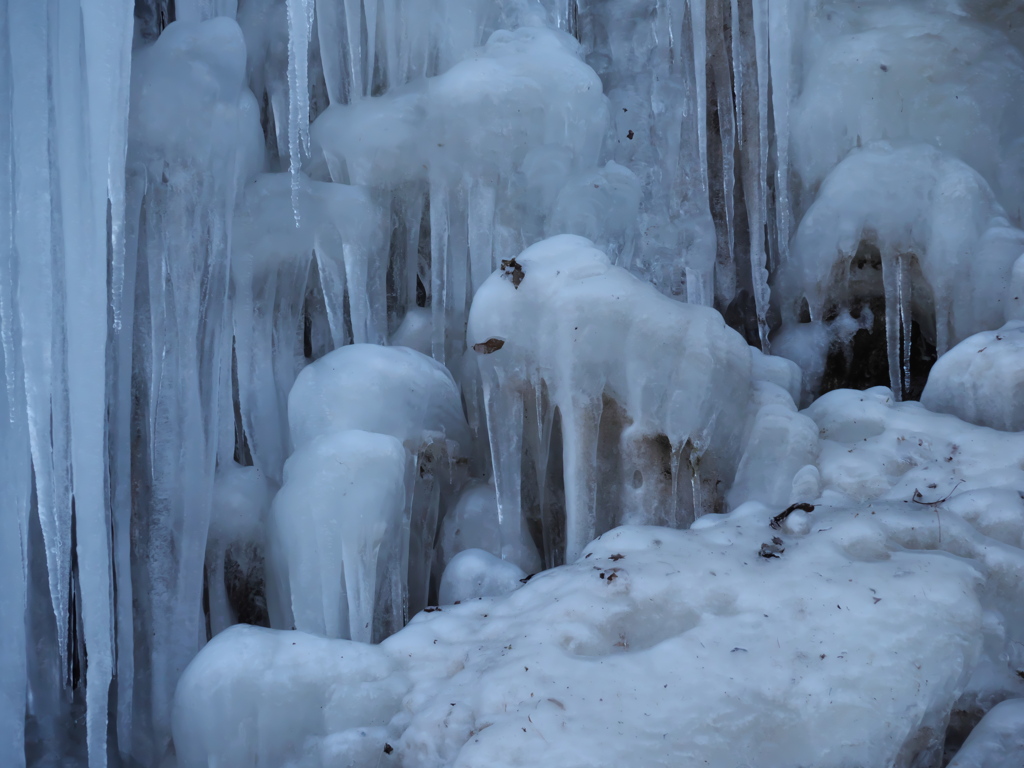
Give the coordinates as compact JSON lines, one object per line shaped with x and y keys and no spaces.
{"x":14,"y":500}
{"x":759,"y":271}
{"x":678,"y":514}
{"x":696,"y":290}
{"x":107,"y":30}
{"x":504,"y":408}
{"x":482,"y":196}
{"x":891,"y":281}
{"x":780,"y":52}
{"x":424,"y":505}
{"x":300,"y":27}
{"x":370,"y":11}
{"x":391,"y":24}
{"x":123,"y":305}
{"x":328,"y":30}
{"x":353,"y":30}
{"x":35,"y":280}
{"x":411,"y":205}
{"x":725,"y":271}
{"x":15,"y":488}
{"x":737,"y":65}
{"x":458,"y":288}
{"x":439,"y":258}
{"x":580,"y":424}
{"x":903,"y":294}
{"x":698,"y":21}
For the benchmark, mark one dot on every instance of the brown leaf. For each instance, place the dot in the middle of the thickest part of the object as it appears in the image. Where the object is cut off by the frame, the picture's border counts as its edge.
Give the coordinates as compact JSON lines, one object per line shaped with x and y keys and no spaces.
{"x":512,"y":269}
{"x":491,"y":345}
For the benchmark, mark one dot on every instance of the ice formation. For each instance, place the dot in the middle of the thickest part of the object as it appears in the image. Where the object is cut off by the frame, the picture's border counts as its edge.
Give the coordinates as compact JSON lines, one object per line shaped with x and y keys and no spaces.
{"x":945,"y":249}
{"x":420,"y":383}
{"x":981,"y":388}
{"x":684,"y":647}
{"x":562,"y":329}
{"x":343,"y":497}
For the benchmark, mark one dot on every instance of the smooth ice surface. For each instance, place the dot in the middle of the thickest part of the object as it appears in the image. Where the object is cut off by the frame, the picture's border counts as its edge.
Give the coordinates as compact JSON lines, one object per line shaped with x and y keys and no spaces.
{"x":474,"y":573}
{"x":905,"y":71}
{"x":981,"y":380}
{"x":343,"y":495}
{"x":391,"y":390}
{"x":470,"y":523}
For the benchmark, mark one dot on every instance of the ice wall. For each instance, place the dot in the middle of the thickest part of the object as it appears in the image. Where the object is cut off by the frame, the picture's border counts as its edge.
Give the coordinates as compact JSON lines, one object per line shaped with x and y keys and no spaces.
{"x":221,"y":221}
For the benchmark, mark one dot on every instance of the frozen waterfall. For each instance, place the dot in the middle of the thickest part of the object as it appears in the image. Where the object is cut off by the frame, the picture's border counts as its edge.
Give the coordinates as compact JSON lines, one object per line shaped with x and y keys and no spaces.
{"x":497,"y":383}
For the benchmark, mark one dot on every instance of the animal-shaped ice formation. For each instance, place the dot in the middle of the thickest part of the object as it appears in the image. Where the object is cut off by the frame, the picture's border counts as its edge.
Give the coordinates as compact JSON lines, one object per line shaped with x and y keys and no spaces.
{"x":559,"y":328}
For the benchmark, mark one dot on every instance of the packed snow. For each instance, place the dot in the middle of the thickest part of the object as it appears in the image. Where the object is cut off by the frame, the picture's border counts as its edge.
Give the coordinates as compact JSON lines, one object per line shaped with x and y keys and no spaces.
{"x":457,"y":383}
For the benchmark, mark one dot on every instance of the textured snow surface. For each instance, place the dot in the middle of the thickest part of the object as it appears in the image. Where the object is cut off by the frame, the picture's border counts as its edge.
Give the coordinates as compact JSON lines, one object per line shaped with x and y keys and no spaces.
{"x":511,"y":383}
{"x":843,"y":633}
{"x":678,"y":646}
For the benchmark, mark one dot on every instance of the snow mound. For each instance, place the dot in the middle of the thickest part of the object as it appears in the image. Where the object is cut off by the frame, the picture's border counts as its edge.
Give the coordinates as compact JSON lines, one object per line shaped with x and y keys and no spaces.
{"x":981,"y":379}
{"x":834,"y":647}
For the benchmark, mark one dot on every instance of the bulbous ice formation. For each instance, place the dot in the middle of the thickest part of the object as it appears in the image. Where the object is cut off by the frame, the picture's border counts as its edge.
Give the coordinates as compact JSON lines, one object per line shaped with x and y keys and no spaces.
{"x":560,"y":329}
{"x":342,"y":506}
{"x":524,"y":88}
{"x":997,"y":741}
{"x":391,"y":390}
{"x":981,"y":379}
{"x":398,"y":392}
{"x":474,"y":573}
{"x":193,"y":77}
{"x":233,"y":705}
{"x":472,"y":523}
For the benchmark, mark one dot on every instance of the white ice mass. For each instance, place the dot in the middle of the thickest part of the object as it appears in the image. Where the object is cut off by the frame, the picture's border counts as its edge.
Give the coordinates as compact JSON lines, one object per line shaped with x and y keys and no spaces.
{"x":484,"y":383}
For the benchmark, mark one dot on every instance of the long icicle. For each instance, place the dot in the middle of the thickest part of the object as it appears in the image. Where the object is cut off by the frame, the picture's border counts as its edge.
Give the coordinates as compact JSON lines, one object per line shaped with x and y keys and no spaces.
{"x":15,"y":490}
{"x":780,"y":54}
{"x":32,"y":242}
{"x":759,"y":266}
{"x":300,"y":28}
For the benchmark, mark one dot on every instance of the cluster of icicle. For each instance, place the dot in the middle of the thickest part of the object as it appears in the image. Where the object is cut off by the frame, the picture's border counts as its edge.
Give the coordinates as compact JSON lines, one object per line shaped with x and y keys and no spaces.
{"x":192,"y":212}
